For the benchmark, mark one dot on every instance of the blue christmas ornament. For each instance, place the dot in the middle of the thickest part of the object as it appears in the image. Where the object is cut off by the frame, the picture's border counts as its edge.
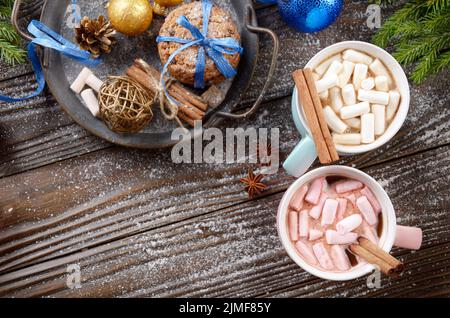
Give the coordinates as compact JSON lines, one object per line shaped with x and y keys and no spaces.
{"x":309,"y":15}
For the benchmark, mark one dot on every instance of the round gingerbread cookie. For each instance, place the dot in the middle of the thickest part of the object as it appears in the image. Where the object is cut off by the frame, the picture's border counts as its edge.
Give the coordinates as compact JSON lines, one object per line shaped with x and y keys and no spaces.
{"x":182,"y":68}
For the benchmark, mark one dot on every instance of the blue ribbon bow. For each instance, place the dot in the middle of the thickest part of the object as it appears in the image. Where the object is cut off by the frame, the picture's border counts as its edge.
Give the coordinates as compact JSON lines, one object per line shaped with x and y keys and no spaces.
{"x":214,"y":48}
{"x":46,"y":37}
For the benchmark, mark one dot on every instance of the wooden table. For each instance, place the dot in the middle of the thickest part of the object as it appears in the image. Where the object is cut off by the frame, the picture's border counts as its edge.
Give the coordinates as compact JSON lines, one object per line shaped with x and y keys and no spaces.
{"x":139,"y":225}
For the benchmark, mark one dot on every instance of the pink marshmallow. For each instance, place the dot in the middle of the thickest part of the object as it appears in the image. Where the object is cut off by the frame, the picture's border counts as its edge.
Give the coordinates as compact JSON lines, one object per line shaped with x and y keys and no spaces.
{"x":293,"y":225}
{"x":408,"y":237}
{"x":342,"y":208}
{"x":349,"y":223}
{"x":333,"y":237}
{"x":303,"y":224}
{"x":306,"y":252}
{"x":366,"y":209}
{"x":317,"y":209}
{"x":329,"y":211}
{"x":340,"y":258}
{"x":315,"y":191}
{"x":297,"y":200}
{"x":352,"y":199}
{"x":322,"y":256}
{"x":347,"y":186}
{"x":370,"y":234}
{"x":372,"y":199}
{"x":315,"y":234}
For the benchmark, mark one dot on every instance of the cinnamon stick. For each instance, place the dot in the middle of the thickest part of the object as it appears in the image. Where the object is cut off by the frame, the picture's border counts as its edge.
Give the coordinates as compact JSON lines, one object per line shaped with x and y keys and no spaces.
{"x":308,"y":106}
{"x":380,"y":253}
{"x":384,"y":267}
{"x":320,"y":116}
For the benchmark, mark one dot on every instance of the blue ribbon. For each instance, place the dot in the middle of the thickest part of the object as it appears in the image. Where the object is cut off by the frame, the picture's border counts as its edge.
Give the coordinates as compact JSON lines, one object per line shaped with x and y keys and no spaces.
{"x":46,"y":37}
{"x":214,"y":48}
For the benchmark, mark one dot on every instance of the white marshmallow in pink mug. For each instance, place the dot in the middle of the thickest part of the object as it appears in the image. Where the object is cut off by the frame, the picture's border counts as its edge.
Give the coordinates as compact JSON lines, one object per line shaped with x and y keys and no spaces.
{"x":297,"y":200}
{"x":349,"y":223}
{"x":303,"y":224}
{"x":293,"y":225}
{"x":315,"y":191}
{"x":333,"y":237}
{"x":329,"y":211}
{"x":315,"y":234}
{"x":347,"y":186}
{"x":316,"y":210}
{"x":342,"y":208}
{"x":373,"y":201}
{"x":322,"y":256}
{"x":340,"y":258}
{"x":387,"y":228}
{"x":366,"y":210}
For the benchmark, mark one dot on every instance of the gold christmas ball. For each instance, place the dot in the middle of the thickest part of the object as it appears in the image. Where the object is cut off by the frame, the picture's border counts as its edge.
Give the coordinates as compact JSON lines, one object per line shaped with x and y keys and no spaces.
{"x":130,"y":17}
{"x":168,"y":3}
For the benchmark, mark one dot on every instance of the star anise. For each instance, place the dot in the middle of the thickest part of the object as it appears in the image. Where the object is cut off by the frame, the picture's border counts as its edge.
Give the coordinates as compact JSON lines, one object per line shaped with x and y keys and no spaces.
{"x":254,"y":184}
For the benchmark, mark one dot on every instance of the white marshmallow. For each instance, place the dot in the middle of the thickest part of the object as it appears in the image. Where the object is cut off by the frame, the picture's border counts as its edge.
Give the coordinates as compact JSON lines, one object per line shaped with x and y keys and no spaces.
{"x":316,"y":76}
{"x":349,"y":94}
{"x":80,"y":81}
{"x":359,"y":74}
{"x":333,"y":121}
{"x":324,"y":96}
{"x":367,"y":128}
{"x":349,"y":223}
{"x":379,"y":111}
{"x":368,"y":83}
{"x":373,"y":97}
{"x":91,"y":101}
{"x":355,"y":110}
{"x":333,"y":237}
{"x":354,"y":123}
{"x":347,"y":139}
{"x":335,"y":68}
{"x":357,"y":57}
{"x":323,"y":67}
{"x":336,"y":99}
{"x":94,"y":82}
{"x":381,"y":84}
{"x":379,"y":69}
{"x":344,"y":76}
{"x":394,"y":101}
{"x":327,"y":82}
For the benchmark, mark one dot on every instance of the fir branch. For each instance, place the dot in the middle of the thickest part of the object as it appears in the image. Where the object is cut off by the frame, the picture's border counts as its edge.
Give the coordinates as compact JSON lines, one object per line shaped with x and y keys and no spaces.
{"x":5,"y":12}
{"x":8,"y":33}
{"x":10,"y":53}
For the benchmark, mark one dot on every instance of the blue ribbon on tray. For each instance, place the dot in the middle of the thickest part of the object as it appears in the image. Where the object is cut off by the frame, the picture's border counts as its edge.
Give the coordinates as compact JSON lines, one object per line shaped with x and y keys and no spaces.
{"x":214,"y":48}
{"x":46,"y":37}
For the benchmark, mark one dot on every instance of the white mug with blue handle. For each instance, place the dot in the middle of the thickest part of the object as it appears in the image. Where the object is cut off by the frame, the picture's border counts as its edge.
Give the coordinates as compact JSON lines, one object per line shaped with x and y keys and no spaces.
{"x":305,"y":153}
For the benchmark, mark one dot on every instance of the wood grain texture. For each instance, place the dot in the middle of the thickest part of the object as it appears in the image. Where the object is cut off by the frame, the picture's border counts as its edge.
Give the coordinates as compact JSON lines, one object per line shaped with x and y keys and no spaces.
{"x":139,"y":225}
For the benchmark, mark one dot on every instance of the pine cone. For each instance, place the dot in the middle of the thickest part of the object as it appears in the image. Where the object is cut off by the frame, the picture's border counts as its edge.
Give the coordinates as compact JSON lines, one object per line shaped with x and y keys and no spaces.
{"x":95,"y":36}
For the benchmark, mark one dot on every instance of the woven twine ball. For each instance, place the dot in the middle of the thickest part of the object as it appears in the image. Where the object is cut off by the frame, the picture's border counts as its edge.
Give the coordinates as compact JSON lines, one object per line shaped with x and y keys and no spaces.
{"x":125,"y":105}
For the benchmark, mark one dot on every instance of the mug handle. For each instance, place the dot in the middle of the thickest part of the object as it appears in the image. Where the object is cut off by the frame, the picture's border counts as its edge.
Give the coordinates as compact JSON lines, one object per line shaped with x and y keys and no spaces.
{"x":408,"y":237}
{"x":305,"y":153}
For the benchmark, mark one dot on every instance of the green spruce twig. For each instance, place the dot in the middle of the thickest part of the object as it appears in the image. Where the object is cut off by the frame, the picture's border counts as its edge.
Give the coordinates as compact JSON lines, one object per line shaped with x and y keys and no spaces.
{"x":10,"y":50}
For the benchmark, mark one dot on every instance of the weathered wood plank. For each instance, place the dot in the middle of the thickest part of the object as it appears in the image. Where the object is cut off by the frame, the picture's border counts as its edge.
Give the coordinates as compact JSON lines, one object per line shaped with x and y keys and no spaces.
{"x":234,"y":251}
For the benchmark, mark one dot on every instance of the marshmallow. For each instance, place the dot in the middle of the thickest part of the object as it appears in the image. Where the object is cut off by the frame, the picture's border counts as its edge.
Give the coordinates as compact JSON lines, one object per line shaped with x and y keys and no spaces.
{"x":91,"y":101}
{"x":80,"y":81}
{"x":349,"y":223}
{"x":381,"y":84}
{"x":394,"y":101}
{"x":347,"y":71}
{"x":372,"y":199}
{"x":342,"y":208}
{"x":367,"y":128}
{"x":323,"y":67}
{"x":334,"y":68}
{"x":317,"y":209}
{"x":303,"y":224}
{"x":379,"y":69}
{"x":370,"y":234}
{"x":333,"y":237}
{"x":373,"y":97}
{"x":349,"y":94}
{"x":347,"y":139}
{"x":354,"y":123}
{"x":316,"y":76}
{"x":408,"y":237}
{"x":94,"y":82}
{"x":306,"y":252}
{"x":340,"y":258}
{"x":379,"y":111}
{"x":359,"y":74}
{"x":357,"y":57}
{"x":366,"y":210}
{"x":329,"y":212}
{"x":333,"y":121}
{"x":324,"y":96}
{"x":352,"y":199}
{"x":368,"y":83}
{"x":355,"y":110}
{"x":348,"y":185}
{"x":315,"y":234}
{"x":315,"y":191}
{"x":322,"y":256}
{"x":327,"y":82}
{"x":297,"y":200}
{"x":293,"y":225}
{"x":336,"y":99}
